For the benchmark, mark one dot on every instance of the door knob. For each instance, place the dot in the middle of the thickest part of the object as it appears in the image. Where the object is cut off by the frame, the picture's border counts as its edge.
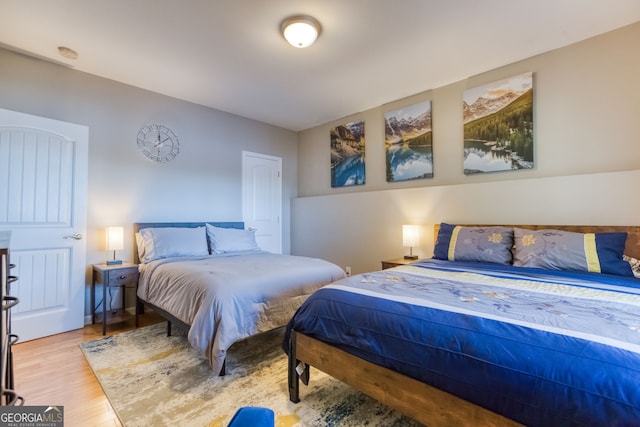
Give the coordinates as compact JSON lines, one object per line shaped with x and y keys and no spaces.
{"x":76,"y":236}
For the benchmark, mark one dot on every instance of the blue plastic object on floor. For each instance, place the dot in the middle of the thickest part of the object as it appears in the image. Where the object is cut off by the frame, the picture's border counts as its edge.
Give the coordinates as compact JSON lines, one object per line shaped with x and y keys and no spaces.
{"x":252,"y":416}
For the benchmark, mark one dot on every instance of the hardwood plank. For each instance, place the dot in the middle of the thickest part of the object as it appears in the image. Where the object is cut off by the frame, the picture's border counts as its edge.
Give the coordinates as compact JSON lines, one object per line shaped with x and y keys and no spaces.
{"x":53,"y":371}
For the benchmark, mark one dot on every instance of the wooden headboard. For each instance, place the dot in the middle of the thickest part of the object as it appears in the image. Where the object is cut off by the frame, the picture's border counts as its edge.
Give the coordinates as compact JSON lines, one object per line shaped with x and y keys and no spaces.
{"x":632,"y":247}
{"x":137,"y":226}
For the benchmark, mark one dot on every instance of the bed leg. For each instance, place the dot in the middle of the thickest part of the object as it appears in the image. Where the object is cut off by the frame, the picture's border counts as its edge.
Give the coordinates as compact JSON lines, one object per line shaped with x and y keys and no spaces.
{"x":140,"y":306}
{"x":297,"y":371}
{"x":294,"y":384}
{"x":139,"y":309}
{"x":168,"y":328}
{"x":223,"y":370}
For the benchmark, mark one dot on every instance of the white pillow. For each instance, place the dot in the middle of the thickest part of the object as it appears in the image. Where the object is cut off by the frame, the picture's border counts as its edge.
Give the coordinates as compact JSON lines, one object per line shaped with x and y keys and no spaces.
{"x":140,"y":244}
{"x":165,"y":242}
{"x":223,"y":240}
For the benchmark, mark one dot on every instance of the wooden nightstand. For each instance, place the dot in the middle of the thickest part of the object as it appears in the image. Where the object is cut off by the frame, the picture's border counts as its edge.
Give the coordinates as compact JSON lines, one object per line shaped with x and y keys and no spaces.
{"x":111,"y":276}
{"x":396,"y":262}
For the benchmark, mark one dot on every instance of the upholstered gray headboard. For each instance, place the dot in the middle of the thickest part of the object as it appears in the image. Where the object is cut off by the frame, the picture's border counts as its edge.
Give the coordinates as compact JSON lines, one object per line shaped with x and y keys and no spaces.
{"x":140,"y":225}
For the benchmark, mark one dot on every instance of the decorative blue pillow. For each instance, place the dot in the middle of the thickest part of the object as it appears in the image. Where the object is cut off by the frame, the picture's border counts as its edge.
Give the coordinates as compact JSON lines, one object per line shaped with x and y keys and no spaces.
{"x":565,"y":250}
{"x":475,"y":244}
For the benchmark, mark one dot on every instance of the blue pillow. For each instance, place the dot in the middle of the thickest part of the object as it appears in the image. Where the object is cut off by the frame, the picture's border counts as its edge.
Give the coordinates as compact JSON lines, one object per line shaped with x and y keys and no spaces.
{"x":565,"y":250}
{"x":475,"y":244}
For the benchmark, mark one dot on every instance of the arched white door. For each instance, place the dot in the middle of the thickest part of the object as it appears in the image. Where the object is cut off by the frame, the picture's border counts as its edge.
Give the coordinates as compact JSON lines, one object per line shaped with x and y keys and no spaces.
{"x":43,"y":192}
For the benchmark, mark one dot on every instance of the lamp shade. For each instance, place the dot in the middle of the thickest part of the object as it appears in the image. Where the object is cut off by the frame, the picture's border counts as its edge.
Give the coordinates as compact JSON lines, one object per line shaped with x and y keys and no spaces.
{"x":410,"y":235}
{"x":115,"y":238}
{"x":301,"y":30}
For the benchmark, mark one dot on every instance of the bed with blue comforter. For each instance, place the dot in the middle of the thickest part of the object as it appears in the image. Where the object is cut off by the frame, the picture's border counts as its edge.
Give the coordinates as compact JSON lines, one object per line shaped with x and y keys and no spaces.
{"x":537,"y":346}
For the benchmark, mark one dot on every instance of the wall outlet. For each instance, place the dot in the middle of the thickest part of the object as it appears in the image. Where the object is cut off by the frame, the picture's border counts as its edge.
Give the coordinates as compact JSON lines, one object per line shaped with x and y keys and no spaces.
{"x":347,"y":270}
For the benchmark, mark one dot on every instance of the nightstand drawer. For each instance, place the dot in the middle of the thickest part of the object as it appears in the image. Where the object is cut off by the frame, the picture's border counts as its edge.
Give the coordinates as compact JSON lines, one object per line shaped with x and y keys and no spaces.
{"x":123,"y":277}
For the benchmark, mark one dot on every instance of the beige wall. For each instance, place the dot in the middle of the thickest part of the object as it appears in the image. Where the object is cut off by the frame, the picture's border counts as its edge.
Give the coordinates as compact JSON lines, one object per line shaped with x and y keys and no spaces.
{"x":361,"y":229}
{"x":585,"y":108}
{"x":202,"y":183}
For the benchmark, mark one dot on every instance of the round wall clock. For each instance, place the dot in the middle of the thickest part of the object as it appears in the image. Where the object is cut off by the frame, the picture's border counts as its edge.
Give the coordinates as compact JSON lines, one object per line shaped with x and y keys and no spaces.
{"x":158,"y":143}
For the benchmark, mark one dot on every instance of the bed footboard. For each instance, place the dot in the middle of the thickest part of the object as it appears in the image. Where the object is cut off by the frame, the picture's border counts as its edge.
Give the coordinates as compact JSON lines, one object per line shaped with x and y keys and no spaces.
{"x":424,"y":403}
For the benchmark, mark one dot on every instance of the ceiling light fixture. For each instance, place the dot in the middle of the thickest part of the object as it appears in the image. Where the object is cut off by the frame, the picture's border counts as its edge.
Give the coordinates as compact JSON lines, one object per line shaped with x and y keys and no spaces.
{"x":300,"y":30}
{"x":67,"y":52}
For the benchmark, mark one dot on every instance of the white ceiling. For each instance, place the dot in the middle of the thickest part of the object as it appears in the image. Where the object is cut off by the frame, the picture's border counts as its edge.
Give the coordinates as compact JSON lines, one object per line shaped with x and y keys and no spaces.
{"x":229,"y":54}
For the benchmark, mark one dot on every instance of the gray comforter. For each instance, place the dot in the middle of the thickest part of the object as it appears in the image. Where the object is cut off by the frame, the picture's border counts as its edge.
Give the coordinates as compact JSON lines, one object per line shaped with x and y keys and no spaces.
{"x":225,"y":298}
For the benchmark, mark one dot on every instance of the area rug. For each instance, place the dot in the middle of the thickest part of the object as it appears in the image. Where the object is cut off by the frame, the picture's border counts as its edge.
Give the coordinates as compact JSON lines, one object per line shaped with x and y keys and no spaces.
{"x":155,"y":380}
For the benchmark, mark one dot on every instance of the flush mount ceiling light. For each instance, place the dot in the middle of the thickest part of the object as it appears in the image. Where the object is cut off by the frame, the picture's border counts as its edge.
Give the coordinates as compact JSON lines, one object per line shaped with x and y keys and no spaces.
{"x":300,"y":30}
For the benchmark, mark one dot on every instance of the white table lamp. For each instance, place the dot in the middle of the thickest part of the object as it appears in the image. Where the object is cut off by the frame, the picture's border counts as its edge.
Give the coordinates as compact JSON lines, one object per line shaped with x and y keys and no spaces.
{"x":411,"y":238}
{"x":115,"y":242}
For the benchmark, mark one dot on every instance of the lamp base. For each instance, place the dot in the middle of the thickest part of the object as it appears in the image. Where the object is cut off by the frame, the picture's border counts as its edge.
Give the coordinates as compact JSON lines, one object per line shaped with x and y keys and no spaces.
{"x":114,"y":262}
{"x":411,"y":257}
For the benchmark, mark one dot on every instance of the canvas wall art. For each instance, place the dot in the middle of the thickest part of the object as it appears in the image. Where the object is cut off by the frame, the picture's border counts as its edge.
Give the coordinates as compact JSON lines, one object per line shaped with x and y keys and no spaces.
{"x":408,"y":142}
{"x":347,"y":154}
{"x":498,"y":125}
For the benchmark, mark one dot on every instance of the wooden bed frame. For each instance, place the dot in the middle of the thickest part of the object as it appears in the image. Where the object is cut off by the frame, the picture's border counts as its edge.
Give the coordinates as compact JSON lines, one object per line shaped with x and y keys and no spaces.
{"x":422,"y":402}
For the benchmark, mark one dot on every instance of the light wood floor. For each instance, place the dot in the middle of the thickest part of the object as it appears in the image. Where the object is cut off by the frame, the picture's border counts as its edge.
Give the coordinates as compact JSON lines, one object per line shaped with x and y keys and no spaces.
{"x":53,"y":371}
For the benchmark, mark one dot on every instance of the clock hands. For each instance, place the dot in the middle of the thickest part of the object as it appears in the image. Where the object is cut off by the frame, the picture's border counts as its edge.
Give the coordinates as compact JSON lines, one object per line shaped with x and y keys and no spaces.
{"x":160,"y":142}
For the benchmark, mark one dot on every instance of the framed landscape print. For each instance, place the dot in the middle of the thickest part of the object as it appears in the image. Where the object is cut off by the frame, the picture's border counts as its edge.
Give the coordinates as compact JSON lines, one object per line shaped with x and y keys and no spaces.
{"x":408,"y":143}
{"x":498,"y":126}
{"x":347,"y":154}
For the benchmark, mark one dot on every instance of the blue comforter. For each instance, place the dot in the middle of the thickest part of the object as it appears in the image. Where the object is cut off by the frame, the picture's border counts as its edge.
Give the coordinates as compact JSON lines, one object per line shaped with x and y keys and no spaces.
{"x":540,"y":347}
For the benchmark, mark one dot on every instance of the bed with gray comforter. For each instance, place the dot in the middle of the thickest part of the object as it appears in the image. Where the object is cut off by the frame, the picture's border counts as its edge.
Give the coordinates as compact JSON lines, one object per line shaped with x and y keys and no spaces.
{"x":227,"y":297}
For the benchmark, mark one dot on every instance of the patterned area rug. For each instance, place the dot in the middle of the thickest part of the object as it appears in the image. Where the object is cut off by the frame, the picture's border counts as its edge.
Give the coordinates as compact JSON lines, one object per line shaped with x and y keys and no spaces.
{"x":155,"y":380}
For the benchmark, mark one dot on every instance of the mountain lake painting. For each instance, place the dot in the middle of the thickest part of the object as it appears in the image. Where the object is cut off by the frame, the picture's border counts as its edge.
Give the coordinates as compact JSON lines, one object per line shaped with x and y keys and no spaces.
{"x":347,"y":154}
{"x":498,"y":126}
{"x":408,"y":142}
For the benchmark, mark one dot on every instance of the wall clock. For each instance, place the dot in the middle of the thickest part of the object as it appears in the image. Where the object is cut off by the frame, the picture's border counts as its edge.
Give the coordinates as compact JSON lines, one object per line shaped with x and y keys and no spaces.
{"x":158,"y":143}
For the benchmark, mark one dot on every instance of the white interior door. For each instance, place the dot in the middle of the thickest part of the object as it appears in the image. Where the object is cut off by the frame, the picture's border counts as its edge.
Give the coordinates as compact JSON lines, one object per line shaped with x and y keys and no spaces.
{"x":43,"y":191}
{"x":262,"y":198}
